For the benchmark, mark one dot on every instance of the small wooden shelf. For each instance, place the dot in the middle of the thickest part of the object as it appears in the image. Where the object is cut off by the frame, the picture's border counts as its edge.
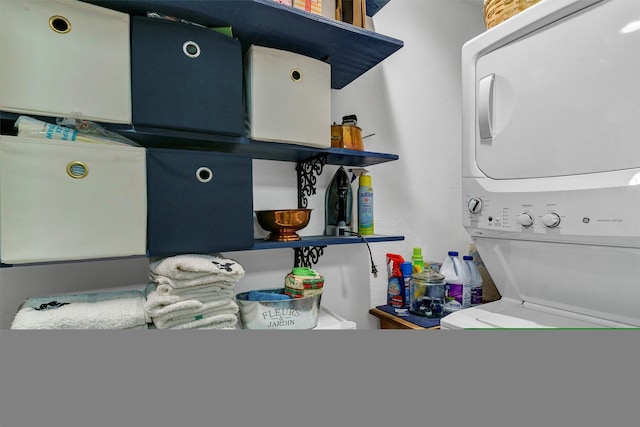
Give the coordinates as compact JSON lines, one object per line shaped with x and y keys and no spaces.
{"x":259,"y":244}
{"x":168,"y":138}
{"x":388,"y":320}
{"x":374,"y":6}
{"x":178,"y":139}
{"x":72,"y":261}
{"x":308,"y":241}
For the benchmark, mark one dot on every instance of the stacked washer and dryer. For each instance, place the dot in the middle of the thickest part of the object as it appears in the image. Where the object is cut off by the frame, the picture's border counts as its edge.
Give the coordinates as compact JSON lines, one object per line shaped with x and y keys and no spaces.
{"x":551,"y":166}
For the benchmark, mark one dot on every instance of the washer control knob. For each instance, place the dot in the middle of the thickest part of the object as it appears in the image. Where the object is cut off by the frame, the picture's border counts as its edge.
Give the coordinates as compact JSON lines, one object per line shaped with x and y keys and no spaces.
{"x":551,"y":219}
{"x":525,"y":219}
{"x":474,"y":205}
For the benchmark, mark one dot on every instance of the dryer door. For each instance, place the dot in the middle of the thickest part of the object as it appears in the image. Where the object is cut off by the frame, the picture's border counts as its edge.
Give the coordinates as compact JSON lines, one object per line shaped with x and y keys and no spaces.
{"x":564,"y":99}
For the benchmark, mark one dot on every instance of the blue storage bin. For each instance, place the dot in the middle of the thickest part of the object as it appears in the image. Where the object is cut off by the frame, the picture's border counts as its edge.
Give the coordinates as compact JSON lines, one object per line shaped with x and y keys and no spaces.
{"x":185,"y":77}
{"x":198,"y":202}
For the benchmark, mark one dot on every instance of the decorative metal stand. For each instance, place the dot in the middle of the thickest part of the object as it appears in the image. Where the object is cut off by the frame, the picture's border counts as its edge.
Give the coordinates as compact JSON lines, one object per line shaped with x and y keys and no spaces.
{"x":307,"y":173}
{"x":308,"y":256}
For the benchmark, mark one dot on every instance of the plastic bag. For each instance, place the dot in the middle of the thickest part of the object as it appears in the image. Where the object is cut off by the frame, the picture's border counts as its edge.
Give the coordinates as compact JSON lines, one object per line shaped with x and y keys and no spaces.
{"x":86,"y":128}
{"x":69,"y":129}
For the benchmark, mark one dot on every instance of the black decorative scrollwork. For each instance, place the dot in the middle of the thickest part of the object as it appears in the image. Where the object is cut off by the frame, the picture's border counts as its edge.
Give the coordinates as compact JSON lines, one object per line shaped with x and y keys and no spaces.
{"x":308,"y":256}
{"x":308,"y":171}
{"x":50,"y":305}
{"x":226,"y":266}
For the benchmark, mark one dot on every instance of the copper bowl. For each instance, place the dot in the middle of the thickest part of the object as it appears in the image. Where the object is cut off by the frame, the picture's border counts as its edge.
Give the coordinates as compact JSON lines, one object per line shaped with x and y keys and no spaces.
{"x":283,"y":223}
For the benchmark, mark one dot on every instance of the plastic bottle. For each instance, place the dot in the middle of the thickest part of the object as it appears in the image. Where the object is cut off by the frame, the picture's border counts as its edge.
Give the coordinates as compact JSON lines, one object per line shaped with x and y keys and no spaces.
{"x":475,"y":279}
{"x":407,"y":270}
{"x":489,"y":290}
{"x":365,"y":205}
{"x":395,"y":290}
{"x":417,"y":261}
{"x":458,"y":295}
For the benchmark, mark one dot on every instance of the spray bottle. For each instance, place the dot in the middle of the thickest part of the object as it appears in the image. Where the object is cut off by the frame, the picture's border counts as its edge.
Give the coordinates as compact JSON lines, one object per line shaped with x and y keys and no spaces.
{"x":396,"y":294}
{"x":365,"y":202}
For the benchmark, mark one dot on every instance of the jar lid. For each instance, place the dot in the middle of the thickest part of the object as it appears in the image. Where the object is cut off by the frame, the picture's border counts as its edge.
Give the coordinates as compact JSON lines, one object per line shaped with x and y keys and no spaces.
{"x":429,"y":276}
{"x":434,"y":277}
{"x":303,"y":271}
{"x":421,"y":276}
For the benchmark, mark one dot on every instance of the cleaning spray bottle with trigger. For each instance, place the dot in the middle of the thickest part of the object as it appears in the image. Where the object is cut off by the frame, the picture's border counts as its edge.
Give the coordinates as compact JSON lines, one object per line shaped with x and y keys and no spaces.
{"x":365,"y":202}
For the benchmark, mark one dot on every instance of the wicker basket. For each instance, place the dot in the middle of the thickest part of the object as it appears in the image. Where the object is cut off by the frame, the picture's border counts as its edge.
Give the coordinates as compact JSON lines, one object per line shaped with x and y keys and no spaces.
{"x":496,"y":11}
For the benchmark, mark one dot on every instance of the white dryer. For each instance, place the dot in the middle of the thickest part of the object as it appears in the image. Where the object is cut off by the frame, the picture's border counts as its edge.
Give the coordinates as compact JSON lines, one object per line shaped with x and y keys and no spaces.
{"x":551,"y":165}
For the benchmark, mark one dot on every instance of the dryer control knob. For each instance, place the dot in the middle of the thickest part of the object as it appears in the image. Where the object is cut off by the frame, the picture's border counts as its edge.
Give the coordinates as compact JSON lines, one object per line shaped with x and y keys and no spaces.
{"x":474,"y":205}
{"x":551,"y":219}
{"x":525,"y":219}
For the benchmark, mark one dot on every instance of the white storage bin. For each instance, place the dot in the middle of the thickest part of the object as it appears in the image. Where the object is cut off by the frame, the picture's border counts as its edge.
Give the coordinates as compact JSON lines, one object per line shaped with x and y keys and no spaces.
{"x":288,"y":97}
{"x":62,"y":200}
{"x":64,"y":56}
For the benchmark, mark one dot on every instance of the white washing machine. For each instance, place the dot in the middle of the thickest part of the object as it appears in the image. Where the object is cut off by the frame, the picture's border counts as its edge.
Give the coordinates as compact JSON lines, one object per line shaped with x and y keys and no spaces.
{"x":551,"y":166}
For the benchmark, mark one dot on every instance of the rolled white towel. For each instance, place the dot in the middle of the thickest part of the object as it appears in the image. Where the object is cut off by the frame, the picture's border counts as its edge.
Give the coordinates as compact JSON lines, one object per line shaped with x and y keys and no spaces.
{"x":99,"y":310}
{"x":188,"y":267}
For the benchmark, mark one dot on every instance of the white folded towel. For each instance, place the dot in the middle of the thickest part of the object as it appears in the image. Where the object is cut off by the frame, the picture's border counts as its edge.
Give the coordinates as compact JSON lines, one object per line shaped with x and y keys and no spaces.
{"x":203,"y":284}
{"x":188,"y":311}
{"x":191,"y":310}
{"x":156,"y":303}
{"x":223,"y":321}
{"x":187,"y":267}
{"x":99,"y":310}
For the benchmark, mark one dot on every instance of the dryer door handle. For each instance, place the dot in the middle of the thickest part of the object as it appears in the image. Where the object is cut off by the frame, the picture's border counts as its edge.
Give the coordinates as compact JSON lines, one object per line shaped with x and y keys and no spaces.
{"x":485,"y":108}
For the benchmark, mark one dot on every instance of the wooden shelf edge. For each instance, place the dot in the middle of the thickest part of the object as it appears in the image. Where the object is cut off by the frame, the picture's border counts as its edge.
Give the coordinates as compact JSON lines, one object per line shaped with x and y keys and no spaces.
{"x":267,"y":23}
{"x":308,"y":241}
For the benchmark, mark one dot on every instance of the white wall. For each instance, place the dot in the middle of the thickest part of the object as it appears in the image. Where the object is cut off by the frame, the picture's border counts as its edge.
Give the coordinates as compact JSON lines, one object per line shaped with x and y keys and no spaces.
{"x":411,"y":101}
